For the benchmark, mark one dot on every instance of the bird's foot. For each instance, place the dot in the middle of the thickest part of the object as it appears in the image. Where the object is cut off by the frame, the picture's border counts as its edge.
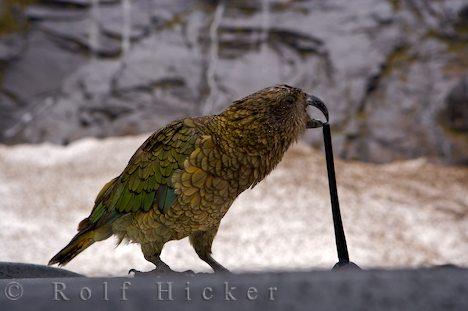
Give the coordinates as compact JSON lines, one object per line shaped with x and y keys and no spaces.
{"x":156,"y":271}
{"x":159,"y":271}
{"x":136,"y":272}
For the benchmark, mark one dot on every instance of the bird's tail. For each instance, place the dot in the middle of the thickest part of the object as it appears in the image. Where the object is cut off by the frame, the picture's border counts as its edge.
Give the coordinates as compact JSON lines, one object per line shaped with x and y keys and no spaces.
{"x":79,"y":243}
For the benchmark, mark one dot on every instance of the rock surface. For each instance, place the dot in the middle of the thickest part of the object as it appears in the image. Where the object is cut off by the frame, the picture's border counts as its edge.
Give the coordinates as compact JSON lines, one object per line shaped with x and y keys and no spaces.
{"x":422,"y":289}
{"x":392,"y":72}
{"x":404,"y":214}
{"x":13,"y":270}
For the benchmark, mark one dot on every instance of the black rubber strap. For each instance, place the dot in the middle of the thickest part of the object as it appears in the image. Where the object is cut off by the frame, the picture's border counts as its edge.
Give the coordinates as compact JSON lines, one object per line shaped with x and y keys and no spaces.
{"x":340,"y":238}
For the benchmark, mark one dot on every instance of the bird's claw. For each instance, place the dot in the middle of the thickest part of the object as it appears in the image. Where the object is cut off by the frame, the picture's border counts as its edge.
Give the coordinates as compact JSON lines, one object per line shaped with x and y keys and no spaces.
{"x":159,"y":271}
{"x":135,"y":272}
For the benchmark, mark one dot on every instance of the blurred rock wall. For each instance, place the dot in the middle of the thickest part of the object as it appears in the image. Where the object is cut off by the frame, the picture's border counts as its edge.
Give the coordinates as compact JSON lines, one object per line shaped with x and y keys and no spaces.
{"x":393,"y":73}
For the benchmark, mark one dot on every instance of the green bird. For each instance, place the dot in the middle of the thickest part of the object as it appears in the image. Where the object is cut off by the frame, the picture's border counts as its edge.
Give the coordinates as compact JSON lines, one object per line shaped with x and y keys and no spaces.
{"x":182,"y":180}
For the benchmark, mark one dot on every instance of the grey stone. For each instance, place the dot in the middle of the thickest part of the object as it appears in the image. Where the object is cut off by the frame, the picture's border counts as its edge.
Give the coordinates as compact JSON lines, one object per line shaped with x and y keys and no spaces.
{"x":10,"y":47}
{"x":420,"y":289}
{"x":456,"y":111}
{"x":112,"y":20}
{"x":14,"y":270}
{"x":9,"y":111}
{"x":453,"y":119}
{"x":42,"y":12}
{"x":75,"y":35}
{"x":78,"y":3}
{"x":386,"y":69}
{"x":40,"y":70}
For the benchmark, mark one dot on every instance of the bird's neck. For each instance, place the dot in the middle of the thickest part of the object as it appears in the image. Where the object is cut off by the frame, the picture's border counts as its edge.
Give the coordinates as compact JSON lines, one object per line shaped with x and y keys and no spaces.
{"x":258,"y":147}
{"x":250,"y":137}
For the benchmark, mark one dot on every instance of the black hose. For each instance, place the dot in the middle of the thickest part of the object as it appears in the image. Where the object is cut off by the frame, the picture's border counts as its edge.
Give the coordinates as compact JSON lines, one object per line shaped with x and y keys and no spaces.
{"x":340,"y":238}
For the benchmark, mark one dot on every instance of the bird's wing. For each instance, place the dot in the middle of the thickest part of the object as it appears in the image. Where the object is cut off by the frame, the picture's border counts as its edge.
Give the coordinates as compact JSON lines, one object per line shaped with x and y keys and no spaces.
{"x":146,"y":181}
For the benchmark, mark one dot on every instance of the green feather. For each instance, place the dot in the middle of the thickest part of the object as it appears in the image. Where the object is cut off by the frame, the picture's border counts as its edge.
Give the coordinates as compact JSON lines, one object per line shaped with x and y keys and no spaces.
{"x":116,"y":194}
{"x":123,"y":201}
{"x":138,"y":202}
{"x":97,"y":213}
{"x":133,"y":203}
{"x":147,"y":179}
{"x":148,"y":201}
{"x":165,"y":197}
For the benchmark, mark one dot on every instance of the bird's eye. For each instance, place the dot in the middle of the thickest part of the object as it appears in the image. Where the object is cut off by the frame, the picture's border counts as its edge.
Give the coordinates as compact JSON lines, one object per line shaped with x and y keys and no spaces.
{"x":289,"y":100}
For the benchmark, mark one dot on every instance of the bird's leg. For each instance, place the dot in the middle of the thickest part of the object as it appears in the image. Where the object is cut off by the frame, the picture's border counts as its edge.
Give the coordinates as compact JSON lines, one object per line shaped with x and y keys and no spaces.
{"x":216,"y":266}
{"x":161,"y":267}
{"x":154,"y":257}
{"x":201,"y":242}
{"x":152,"y":253}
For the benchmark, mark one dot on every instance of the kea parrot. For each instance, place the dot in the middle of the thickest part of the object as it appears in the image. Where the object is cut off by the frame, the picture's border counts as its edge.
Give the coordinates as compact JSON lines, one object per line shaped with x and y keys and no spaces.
{"x":182,"y":180}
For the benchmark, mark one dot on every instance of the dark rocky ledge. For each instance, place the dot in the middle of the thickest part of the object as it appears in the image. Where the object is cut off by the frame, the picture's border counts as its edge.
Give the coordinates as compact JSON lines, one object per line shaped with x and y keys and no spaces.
{"x":14,"y":270}
{"x":420,"y":289}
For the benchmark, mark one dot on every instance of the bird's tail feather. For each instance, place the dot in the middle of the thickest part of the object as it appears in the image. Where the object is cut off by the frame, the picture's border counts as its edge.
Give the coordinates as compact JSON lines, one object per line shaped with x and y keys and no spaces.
{"x":79,"y":243}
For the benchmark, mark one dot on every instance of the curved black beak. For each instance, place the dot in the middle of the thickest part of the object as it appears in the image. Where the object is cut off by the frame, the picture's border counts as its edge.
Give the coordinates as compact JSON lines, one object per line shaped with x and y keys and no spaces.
{"x":317,"y":103}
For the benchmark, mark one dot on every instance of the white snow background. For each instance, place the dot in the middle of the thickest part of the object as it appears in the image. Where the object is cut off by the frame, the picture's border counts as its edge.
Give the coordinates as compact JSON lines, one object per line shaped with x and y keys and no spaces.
{"x":404,"y":214}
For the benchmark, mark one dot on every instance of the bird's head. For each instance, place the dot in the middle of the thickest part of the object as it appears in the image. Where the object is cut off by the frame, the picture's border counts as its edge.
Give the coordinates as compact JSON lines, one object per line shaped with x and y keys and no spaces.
{"x":280,"y":108}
